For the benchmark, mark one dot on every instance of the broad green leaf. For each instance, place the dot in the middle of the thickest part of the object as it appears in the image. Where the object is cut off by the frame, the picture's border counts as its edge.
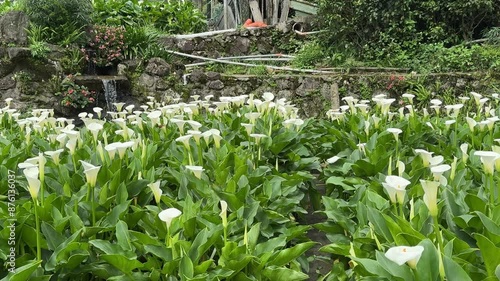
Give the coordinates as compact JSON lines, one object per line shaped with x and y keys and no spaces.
{"x":372,"y":267}
{"x":283,"y":274}
{"x":492,"y":227}
{"x":53,"y":237}
{"x":399,"y":272}
{"x":186,"y":269}
{"x":428,"y":265}
{"x":203,"y":241}
{"x":489,"y":252}
{"x":111,"y":249}
{"x":287,"y":255}
{"x":454,"y":271}
{"x":53,"y":260}
{"x":270,"y":245}
{"x":115,"y":214}
{"x":253,"y":236}
{"x":122,"y":236}
{"x":23,"y":273}
{"x":340,"y":182}
{"x":379,"y":223}
{"x":159,"y":251}
{"x":125,"y":265}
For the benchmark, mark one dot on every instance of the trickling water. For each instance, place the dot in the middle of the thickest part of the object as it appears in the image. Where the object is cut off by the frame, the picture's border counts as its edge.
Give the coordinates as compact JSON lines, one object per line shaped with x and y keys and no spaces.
{"x":109,"y":93}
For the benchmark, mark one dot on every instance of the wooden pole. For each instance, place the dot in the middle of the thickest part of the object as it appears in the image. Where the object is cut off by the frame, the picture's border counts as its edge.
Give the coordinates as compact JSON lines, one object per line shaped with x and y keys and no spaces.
{"x":285,"y":7}
{"x":275,"y":11}
{"x":225,"y":14}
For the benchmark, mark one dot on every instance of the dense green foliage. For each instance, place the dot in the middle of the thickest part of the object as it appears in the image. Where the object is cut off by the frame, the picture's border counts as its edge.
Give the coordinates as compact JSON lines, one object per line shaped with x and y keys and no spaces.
{"x":173,"y":17}
{"x":395,"y":30}
{"x":63,"y":18}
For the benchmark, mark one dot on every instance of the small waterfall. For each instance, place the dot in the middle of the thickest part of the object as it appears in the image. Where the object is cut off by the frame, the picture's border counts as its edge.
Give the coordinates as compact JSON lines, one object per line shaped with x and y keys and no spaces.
{"x":109,"y":93}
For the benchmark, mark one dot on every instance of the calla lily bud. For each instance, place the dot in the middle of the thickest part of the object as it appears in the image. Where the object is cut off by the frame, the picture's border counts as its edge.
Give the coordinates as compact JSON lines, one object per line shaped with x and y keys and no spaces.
{"x":155,"y":188}
{"x":430,"y":196}
{"x":465,"y":155}
{"x":34,"y":183}
{"x":223,"y":213}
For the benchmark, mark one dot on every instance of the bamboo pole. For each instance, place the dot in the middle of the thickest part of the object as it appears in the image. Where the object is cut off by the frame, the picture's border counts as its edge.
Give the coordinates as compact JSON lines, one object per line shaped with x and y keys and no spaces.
{"x":242,"y":58}
{"x":202,"y":34}
{"x":251,"y":65}
{"x":257,"y":56}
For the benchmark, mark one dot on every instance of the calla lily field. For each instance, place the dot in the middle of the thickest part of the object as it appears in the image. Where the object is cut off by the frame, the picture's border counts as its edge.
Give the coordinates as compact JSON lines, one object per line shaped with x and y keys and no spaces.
{"x":220,"y":189}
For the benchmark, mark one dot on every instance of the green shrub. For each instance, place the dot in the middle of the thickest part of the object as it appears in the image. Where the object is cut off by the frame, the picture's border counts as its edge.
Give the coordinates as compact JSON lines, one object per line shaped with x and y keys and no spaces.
{"x":119,"y":12}
{"x":10,"y":5}
{"x":178,"y":17}
{"x":73,"y":60}
{"x":61,"y":17}
{"x":39,"y":50}
{"x":377,"y":29}
{"x":173,"y":17}
{"x":310,"y":54}
{"x":141,"y":41}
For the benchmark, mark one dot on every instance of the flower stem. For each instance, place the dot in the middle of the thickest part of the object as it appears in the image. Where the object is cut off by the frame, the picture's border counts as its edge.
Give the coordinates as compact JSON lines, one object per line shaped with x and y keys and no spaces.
{"x":74,"y":162}
{"x":225,"y":236}
{"x":37,"y":225}
{"x":190,"y":158}
{"x":438,"y":234}
{"x":395,"y":209}
{"x":492,"y":191}
{"x":92,"y":205}
{"x":200,"y":155}
{"x":167,"y":239}
{"x":401,"y":213}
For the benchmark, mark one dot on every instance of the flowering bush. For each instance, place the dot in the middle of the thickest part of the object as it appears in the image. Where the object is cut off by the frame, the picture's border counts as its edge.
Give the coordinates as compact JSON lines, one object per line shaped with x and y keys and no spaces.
{"x":75,"y":95}
{"x":106,"y":45}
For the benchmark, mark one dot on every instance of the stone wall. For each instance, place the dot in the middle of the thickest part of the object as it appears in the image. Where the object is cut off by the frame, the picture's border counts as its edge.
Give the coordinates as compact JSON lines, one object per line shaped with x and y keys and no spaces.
{"x":270,"y":40}
{"x":313,"y":94}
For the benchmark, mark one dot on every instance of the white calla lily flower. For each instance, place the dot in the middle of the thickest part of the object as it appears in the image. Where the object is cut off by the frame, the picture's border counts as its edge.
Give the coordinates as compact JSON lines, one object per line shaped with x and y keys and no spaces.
{"x":169,"y":215}
{"x":405,"y":254}
{"x":396,"y":188}
{"x":91,"y":172}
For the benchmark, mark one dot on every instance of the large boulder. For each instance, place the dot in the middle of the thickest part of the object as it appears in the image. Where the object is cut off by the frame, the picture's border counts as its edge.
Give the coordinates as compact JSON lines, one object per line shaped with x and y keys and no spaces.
{"x":13,"y":27}
{"x":158,"y":67}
